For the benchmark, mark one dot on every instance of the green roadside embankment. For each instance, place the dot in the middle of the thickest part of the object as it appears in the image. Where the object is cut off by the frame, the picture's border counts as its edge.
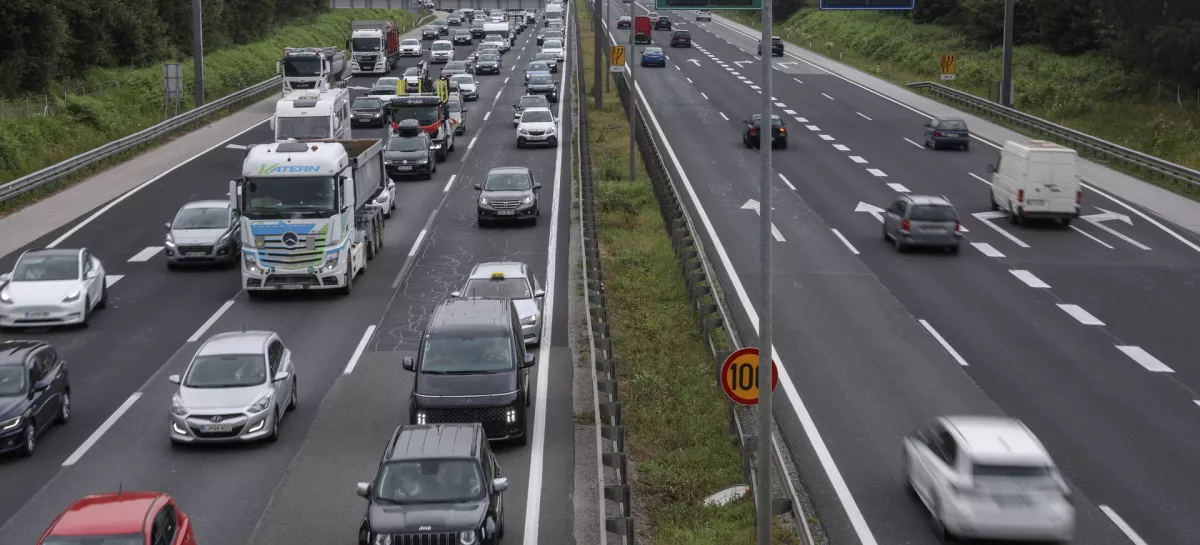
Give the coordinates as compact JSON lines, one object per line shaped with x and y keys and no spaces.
{"x":135,"y":102}
{"x":674,"y":410}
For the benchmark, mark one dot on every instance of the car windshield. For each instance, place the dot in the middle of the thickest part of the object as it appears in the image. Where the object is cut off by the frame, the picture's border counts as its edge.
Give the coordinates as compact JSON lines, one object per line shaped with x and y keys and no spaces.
{"x":467,"y":352}
{"x":544,"y":57}
{"x":538,"y":66}
{"x":537,"y":116}
{"x":384,"y":90}
{"x":952,"y":125}
{"x":425,"y":115}
{"x":406,"y":143}
{"x":653,"y":51}
{"x":201,"y":218}
{"x":932,"y":213}
{"x":12,"y":378}
{"x":36,"y":268}
{"x":532,"y":102}
{"x":135,"y":539}
{"x":411,"y":41}
{"x":493,"y":37}
{"x":363,"y":103}
{"x":413,"y":71}
{"x":302,"y":128}
{"x":442,"y":47}
{"x":455,"y":65}
{"x":682,"y":34}
{"x":623,"y":18}
{"x":507,"y":181}
{"x":776,"y":121}
{"x":454,"y":106}
{"x":541,"y":80}
{"x":505,"y":288}
{"x":226,"y":371}
{"x":429,"y":481}
{"x":463,"y":79}
{"x":265,"y":197}
{"x":552,"y":44}
{"x":488,"y":57}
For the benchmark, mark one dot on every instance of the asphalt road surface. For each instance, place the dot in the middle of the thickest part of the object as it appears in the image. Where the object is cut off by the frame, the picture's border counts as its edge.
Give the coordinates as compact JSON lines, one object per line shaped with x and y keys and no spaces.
{"x":301,"y":489}
{"x":1083,"y":333}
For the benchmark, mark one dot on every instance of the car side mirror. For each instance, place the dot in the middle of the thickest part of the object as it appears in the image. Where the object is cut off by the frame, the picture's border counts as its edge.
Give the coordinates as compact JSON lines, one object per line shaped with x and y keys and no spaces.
{"x":991,"y":168}
{"x":409,"y":363}
{"x":4,"y":278}
{"x":363,"y":489}
{"x":539,"y":294}
{"x":529,"y":361}
{"x":41,"y":386}
{"x":500,"y":484}
{"x":478,"y":187}
{"x":282,"y":375}
{"x":92,"y":274}
{"x":167,"y":225}
{"x":537,"y":185}
{"x":456,"y":294}
{"x":174,"y":379}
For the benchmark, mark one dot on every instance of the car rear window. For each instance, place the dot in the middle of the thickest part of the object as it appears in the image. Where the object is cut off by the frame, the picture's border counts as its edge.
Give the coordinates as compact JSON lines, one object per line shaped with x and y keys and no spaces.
{"x":1011,"y":471}
{"x":932,"y":213}
{"x":778,"y":41}
{"x":952,"y":125}
{"x":683,"y":34}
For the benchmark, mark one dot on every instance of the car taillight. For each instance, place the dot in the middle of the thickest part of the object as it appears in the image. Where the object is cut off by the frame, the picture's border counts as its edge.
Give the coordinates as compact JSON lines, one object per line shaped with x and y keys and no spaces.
{"x":1021,"y":195}
{"x":904,"y":225}
{"x":782,"y":130}
{"x":753,"y":130}
{"x":1078,"y":196}
{"x":937,"y":133}
{"x":966,"y":134}
{"x":957,"y":226}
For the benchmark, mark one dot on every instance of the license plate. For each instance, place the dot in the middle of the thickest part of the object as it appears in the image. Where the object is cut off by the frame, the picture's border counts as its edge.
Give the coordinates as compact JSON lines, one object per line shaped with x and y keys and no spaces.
{"x":291,"y":286}
{"x":505,"y":212}
{"x":36,"y":314}
{"x":404,"y":168}
{"x":216,"y":428}
{"x":196,"y":254}
{"x":933,"y":230}
{"x":1035,"y":202}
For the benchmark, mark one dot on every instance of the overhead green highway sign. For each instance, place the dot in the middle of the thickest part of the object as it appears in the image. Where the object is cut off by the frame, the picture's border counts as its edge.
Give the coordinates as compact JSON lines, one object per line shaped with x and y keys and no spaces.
{"x":667,"y":5}
{"x":869,"y":4}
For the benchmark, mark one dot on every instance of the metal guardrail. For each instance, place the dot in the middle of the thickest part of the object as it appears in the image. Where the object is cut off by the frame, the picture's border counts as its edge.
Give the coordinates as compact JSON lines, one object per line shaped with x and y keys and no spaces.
{"x":711,"y":313}
{"x":1083,"y":143}
{"x":65,"y":168}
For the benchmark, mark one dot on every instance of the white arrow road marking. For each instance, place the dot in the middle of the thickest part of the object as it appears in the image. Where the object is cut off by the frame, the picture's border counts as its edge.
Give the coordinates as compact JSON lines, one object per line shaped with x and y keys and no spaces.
{"x":870,"y":209}
{"x":753,"y":205}
{"x":110,"y":279}
{"x":986,"y":218}
{"x":1089,"y":235}
{"x":1108,"y":215}
{"x":236,"y":146}
{"x":694,"y":61}
{"x":740,"y":63}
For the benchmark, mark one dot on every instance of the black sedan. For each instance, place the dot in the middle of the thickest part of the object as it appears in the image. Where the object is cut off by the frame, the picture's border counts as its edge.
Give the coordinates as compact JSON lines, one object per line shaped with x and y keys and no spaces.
{"x":488,"y":63}
{"x":681,"y":38}
{"x":430,"y":33}
{"x":663,"y":23}
{"x":776,"y":47}
{"x":367,"y":111}
{"x":34,"y":393}
{"x":550,"y":59}
{"x":751,"y":138}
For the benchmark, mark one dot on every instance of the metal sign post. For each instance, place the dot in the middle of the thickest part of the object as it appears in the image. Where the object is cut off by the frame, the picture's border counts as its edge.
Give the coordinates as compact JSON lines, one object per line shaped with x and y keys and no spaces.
{"x":198,"y":51}
{"x":632,"y":88}
{"x":766,"y":134}
{"x":172,"y":87}
{"x":1006,"y":98}
{"x":949,"y":66}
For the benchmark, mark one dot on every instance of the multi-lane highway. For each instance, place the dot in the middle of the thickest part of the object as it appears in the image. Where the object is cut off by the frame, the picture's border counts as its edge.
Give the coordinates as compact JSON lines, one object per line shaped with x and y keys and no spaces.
{"x":1083,"y":333}
{"x":352,"y":390}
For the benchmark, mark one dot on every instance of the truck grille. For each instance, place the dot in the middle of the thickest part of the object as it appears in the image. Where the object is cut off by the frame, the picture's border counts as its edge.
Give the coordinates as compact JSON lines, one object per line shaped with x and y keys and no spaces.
{"x":440,"y":538}
{"x":369,"y":59}
{"x":303,"y":84}
{"x":293,"y":279}
{"x":308,"y":251}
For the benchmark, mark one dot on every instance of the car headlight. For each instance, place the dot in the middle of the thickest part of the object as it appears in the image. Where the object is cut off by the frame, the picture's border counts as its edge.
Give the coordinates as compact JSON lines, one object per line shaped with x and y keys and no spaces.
{"x":527,"y":200}
{"x":383,"y":197}
{"x":177,"y":407}
{"x":550,"y":130}
{"x":483,"y":200}
{"x":73,"y":296}
{"x":421,"y":418}
{"x":529,"y":320}
{"x":262,"y":404}
{"x":11,"y":423}
{"x":522,"y":130}
{"x":224,"y":239}
{"x":331,"y":263}
{"x":250,"y":263}
{"x":467,"y":537}
{"x":170,"y":240}
{"x":420,"y":161}
{"x":5,"y":297}
{"x":382,"y":539}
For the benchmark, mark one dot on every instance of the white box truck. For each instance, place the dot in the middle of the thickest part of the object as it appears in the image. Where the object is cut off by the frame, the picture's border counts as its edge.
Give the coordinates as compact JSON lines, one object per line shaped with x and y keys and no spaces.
{"x":554,"y":12}
{"x":1036,"y":179}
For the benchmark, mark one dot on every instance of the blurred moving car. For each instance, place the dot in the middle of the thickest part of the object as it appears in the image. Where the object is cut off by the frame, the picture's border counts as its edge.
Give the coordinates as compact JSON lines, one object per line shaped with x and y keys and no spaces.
{"x":121,"y":518}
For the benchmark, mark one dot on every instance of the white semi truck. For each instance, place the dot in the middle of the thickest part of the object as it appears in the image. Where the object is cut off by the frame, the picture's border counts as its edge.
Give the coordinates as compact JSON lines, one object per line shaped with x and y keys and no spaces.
{"x":374,"y":46}
{"x":306,"y":213}
{"x":316,"y":68}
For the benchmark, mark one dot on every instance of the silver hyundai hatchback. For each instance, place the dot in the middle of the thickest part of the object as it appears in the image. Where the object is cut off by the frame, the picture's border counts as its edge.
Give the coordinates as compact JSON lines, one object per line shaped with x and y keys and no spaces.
{"x":236,"y":389}
{"x":922,"y":220}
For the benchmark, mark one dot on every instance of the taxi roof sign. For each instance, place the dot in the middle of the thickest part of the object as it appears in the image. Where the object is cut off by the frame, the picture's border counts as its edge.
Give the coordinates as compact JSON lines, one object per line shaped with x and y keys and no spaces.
{"x":498,"y":275}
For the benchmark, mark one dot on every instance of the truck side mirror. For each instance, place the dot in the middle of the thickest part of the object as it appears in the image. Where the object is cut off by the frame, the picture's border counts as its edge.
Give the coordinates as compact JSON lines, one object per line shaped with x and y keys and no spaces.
{"x":278,"y":67}
{"x":409,"y":363}
{"x":478,"y":187}
{"x":233,"y":196}
{"x":991,"y":168}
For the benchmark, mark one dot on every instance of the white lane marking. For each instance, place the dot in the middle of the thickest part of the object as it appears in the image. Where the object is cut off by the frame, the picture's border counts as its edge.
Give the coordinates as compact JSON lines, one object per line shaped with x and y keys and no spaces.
{"x":898,"y":188}
{"x":130,"y":193}
{"x":146,"y":254}
{"x":1142,"y":215}
{"x":987,"y":249}
{"x":914,"y":143}
{"x":704,"y":95}
{"x":417,"y":243}
{"x":827,"y":96}
{"x":840,"y":147}
{"x":690,"y":81}
{"x":787,"y":183}
{"x":987,"y":217}
{"x":473,"y":140}
{"x":790,"y":112}
{"x":1029,"y":279}
{"x":506,"y":83}
{"x":533,"y":501}
{"x":845,"y":497}
{"x":96,"y":435}
{"x":1080,"y":314}
{"x":755,"y":87}
{"x":110,"y":279}
{"x":723,"y":116}
{"x":512,"y":68}
{"x":1143,"y":358}
{"x":976,"y":176}
{"x":739,"y":76}
{"x":450,"y":182}
{"x":487,"y":114}
{"x":826,"y":137}
{"x":1089,"y":235}
{"x":813,"y":128}
{"x":211,"y":320}
{"x":942,"y":341}
{"x":358,"y":350}
{"x":857,"y":159}
{"x":1113,"y":232}
{"x":837,"y":233}
{"x":877,"y":173}
{"x":236,"y":146}
{"x":797,"y":81}
{"x":781,"y":105}
{"x":801,"y":120}
{"x":1122,"y":525}
{"x":864,"y":117}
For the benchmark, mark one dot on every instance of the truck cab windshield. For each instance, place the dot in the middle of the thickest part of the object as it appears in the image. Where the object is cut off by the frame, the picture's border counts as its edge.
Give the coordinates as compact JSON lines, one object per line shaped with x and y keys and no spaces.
{"x":301,"y":128}
{"x":289,"y":197}
{"x":301,"y":67}
{"x":425,"y":115}
{"x":366,"y":44}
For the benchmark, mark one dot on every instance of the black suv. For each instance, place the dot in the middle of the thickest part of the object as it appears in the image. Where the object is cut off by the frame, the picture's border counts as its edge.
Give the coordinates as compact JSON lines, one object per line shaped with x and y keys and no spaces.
{"x":663,"y":23}
{"x":750,"y":136}
{"x":430,"y":33}
{"x":542,"y":84}
{"x":34,"y":393}
{"x":436,"y":484}
{"x":681,"y":38}
{"x":407,"y":151}
{"x":776,"y":47}
{"x":473,"y":367}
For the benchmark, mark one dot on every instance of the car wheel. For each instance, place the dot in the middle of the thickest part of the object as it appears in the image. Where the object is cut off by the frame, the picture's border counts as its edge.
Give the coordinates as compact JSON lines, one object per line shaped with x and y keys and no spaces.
{"x":952,"y":249}
{"x":900,"y":246}
{"x":783,"y":144}
{"x":64,"y":411}
{"x":274,"y":427}
{"x":295,"y":402}
{"x":103,"y":303}
{"x":523,"y":440}
{"x":927,"y":143}
{"x":87,"y":312}
{"x":533,"y":220}
{"x":886,"y":237}
{"x":1064,"y":222}
{"x":935,"y":520}
{"x":29,"y":444}
{"x":967,"y":146}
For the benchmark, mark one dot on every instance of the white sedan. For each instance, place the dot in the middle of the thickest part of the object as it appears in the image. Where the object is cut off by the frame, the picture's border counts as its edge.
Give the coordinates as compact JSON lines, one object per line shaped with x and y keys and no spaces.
{"x":52,"y":287}
{"x":554,"y":47}
{"x":411,"y":47}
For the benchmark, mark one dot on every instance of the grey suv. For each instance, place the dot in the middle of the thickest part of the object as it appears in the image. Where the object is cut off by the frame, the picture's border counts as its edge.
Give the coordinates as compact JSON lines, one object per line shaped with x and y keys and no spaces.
{"x":922,"y":220}
{"x":508,"y":193}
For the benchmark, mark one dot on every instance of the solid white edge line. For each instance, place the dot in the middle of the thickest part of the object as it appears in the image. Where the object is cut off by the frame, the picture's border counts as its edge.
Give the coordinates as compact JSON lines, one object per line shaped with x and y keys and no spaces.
{"x":1029,"y":279}
{"x":537,"y":451}
{"x":837,"y":233}
{"x":1083,"y":316}
{"x":827,"y":96}
{"x":864,"y":117}
{"x":690,"y":80}
{"x":417,"y":243}
{"x":358,"y":350}
{"x":130,"y":193}
{"x":104,"y":427}
{"x":450,"y":182}
{"x":704,"y":95}
{"x":211,"y":320}
{"x":786,"y":182}
{"x":1089,"y":235}
{"x":845,"y":497}
{"x":723,"y":116}
{"x":973,"y":175}
{"x":938,"y":337}
{"x":1122,"y":525}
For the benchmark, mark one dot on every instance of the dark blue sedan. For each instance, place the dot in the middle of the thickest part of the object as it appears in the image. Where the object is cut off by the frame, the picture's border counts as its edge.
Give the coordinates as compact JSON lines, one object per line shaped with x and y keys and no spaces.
{"x":34,"y":393}
{"x":654,"y":56}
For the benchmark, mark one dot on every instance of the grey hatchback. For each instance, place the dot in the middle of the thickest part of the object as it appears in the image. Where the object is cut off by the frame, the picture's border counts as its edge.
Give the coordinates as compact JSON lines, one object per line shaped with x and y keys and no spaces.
{"x":947,"y":132}
{"x":922,"y":220}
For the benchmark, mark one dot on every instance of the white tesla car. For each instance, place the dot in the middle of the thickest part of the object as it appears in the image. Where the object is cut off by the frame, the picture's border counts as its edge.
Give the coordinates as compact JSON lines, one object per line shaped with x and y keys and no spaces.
{"x":52,"y":287}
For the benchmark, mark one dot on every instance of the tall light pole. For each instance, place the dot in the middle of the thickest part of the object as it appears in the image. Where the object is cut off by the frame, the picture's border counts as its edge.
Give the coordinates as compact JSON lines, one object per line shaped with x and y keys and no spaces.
{"x":198,"y":51}
{"x":629,"y":57}
{"x":1006,"y":86}
{"x":598,"y":62}
{"x":766,"y":355}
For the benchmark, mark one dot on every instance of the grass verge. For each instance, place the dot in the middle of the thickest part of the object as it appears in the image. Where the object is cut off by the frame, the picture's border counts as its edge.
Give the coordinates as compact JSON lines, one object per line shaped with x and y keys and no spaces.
{"x":85,"y":122}
{"x":1090,"y":93}
{"x":674,"y":410}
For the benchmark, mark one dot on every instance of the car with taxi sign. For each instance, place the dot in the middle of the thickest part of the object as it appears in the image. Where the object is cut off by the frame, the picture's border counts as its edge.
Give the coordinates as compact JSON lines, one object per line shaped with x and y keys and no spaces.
{"x":121,"y":518}
{"x":515,"y":281}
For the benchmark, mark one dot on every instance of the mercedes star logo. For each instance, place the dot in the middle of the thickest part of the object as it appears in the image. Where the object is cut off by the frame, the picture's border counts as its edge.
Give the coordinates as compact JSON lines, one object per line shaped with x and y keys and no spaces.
{"x":217,"y":418}
{"x":290,"y":239}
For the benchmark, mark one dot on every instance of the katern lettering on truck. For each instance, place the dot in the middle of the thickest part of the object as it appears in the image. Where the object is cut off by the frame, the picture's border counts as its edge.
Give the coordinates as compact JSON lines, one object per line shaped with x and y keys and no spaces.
{"x":286,"y":169}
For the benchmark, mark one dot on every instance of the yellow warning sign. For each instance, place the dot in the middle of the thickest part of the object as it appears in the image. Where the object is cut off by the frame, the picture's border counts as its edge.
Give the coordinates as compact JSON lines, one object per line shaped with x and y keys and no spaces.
{"x":616,"y":55}
{"x":949,"y":65}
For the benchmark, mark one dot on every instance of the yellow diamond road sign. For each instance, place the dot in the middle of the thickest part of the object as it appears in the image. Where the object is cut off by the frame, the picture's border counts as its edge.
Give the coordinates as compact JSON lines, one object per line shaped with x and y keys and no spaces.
{"x":949,"y":65}
{"x":616,"y":55}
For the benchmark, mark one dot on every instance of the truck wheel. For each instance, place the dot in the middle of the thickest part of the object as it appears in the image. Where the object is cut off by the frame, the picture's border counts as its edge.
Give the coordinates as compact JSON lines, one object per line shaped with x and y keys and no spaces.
{"x":349,"y":287}
{"x":371,"y":246}
{"x":379,"y":236}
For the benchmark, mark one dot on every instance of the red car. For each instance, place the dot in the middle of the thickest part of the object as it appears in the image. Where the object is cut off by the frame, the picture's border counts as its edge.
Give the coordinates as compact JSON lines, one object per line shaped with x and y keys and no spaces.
{"x":121,"y":518}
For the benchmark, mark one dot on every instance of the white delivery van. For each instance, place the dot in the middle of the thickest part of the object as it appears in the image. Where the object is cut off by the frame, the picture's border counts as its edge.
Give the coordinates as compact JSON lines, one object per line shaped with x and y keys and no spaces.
{"x":554,"y":12}
{"x":1036,"y":179}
